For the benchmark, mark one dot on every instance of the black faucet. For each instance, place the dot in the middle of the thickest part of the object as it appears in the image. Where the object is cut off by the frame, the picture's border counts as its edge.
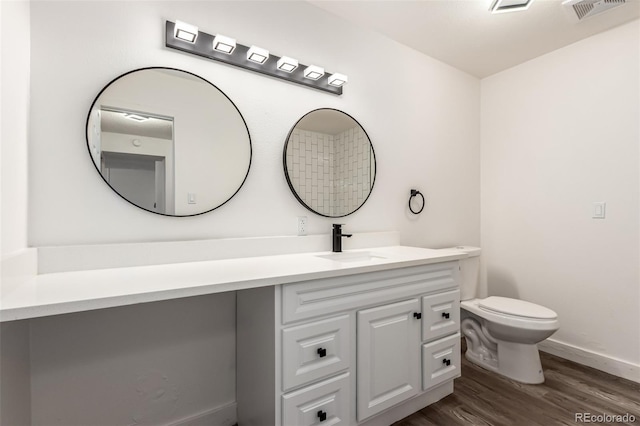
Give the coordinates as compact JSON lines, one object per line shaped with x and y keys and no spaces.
{"x":337,"y":237}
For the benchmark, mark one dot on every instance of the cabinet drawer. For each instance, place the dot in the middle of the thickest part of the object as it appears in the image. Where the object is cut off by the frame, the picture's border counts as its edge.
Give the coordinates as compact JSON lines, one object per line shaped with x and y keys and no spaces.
{"x":314,"y":351}
{"x":331,"y":295}
{"x":440,"y":361}
{"x":440,"y":315}
{"x":326,"y":403}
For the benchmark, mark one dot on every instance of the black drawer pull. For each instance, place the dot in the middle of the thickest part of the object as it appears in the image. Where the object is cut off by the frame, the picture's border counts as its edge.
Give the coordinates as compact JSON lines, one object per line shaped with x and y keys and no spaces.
{"x":447,"y":362}
{"x":445,"y":315}
{"x":322,"y":352}
{"x":417,"y":315}
{"x":322,"y":415}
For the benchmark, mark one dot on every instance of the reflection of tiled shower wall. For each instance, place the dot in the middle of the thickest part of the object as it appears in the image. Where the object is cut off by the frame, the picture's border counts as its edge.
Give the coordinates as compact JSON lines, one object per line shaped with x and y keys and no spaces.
{"x":351,"y":171}
{"x":330,"y":172}
{"x":309,"y":161}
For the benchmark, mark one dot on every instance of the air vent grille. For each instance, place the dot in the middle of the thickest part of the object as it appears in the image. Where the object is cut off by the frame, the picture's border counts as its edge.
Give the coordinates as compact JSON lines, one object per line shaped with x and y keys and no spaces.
{"x":582,"y":9}
{"x":587,"y":8}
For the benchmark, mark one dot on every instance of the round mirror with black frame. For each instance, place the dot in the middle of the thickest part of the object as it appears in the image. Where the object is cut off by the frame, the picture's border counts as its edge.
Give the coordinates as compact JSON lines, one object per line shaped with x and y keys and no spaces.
{"x":329,"y":162}
{"x":169,"y":141}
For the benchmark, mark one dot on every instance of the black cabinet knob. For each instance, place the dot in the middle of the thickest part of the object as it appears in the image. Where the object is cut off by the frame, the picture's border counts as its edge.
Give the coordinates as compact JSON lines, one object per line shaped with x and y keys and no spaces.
{"x":445,"y":315}
{"x":322,"y":415}
{"x":417,"y":315}
{"x":446,"y":362}
{"x":322,"y":352}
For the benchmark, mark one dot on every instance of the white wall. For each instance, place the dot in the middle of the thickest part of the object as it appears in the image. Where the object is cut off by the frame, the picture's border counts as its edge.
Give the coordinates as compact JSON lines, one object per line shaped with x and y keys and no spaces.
{"x":424,"y":125}
{"x":559,"y":133}
{"x":15,"y":116}
{"x":15,"y":387}
{"x":424,"y":128}
{"x":147,"y":364}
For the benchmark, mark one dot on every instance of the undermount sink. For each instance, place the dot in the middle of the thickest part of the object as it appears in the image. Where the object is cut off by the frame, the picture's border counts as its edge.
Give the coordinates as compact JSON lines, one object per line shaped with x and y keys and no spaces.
{"x":348,"y":257}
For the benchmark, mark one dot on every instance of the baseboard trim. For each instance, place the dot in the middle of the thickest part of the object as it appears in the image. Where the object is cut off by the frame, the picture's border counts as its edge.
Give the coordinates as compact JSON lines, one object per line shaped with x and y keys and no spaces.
{"x":608,"y":364}
{"x":226,"y":415}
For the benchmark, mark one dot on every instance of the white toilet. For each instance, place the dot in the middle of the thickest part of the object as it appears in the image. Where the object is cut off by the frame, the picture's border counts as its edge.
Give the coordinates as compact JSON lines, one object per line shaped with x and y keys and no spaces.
{"x":502,"y":333}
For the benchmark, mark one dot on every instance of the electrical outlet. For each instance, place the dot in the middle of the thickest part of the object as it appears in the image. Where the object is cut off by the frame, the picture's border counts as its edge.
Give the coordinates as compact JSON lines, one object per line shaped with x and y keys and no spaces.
{"x":302,"y":225}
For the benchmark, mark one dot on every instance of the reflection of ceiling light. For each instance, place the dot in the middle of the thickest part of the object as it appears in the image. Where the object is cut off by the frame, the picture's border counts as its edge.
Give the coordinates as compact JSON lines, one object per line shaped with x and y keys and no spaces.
{"x":313,"y":72}
{"x":287,"y":64}
{"x":185,"y":32}
{"x":337,"y":79}
{"x":501,"y":6}
{"x":224,"y":44}
{"x":136,"y":117}
{"x":257,"y":54}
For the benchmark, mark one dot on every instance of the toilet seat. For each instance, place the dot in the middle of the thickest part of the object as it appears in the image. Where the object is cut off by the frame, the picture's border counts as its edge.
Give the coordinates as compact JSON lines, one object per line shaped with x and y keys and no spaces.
{"x":509,"y":319}
{"x":516,"y":308}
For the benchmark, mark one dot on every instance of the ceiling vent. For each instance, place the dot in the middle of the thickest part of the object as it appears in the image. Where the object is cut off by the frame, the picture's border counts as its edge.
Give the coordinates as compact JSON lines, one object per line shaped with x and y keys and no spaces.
{"x":583,"y":9}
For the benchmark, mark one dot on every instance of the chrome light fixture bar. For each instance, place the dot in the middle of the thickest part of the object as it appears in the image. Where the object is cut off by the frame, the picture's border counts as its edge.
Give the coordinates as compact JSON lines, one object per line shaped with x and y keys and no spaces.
{"x":287,"y":64}
{"x":224,"y":44}
{"x":258,"y":54}
{"x":284,"y":68}
{"x":337,"y":79}
{"x":186,"y":32}
{"x":313,"y":72}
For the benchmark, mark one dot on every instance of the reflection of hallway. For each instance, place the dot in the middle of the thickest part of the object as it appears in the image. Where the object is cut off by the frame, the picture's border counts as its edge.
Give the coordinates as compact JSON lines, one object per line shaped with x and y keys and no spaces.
{"x":138,"y":178}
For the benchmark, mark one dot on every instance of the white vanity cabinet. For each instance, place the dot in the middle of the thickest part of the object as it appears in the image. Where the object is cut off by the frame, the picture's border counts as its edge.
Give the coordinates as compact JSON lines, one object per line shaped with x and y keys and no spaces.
{"x":362,"y":349}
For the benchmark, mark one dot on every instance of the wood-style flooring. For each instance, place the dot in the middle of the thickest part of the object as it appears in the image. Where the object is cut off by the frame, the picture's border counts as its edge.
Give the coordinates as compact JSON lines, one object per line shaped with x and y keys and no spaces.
{"x":482,"y":398}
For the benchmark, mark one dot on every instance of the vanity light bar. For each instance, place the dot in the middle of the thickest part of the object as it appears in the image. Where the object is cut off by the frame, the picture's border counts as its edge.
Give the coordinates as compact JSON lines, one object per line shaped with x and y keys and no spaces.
{"x":257,"y":54}
{"x":313,"y":72}
{"x":225,"y":49}
{"x":186,"y":32}
{"x":224,"y":44}
{"x":287,"y":64}
{"x":337,"y":79}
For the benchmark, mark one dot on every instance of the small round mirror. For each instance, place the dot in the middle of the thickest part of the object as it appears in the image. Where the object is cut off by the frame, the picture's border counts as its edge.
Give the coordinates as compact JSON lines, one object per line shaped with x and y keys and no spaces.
{"x":169,"y":141}
{"x":329,"y":163}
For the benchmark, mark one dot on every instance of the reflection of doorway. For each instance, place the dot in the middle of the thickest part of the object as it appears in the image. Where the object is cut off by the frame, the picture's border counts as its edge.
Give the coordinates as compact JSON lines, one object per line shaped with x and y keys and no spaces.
{"x":137,"y":177}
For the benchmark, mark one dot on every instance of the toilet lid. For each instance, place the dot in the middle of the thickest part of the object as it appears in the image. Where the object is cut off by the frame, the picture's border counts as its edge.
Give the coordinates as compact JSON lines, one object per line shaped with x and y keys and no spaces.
{"x":515,"y":307}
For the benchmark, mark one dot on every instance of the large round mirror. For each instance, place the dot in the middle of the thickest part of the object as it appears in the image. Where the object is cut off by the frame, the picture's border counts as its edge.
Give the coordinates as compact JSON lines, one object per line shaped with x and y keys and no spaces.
{"x":168,"y":141}
{"x":329,"y":163}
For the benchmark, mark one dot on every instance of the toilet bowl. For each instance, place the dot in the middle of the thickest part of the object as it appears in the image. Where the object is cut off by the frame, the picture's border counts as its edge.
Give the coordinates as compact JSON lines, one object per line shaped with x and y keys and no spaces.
{"x":502,"y":333}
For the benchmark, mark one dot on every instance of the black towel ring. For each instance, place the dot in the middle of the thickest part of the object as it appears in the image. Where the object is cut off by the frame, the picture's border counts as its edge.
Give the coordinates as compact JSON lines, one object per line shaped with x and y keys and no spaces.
{"x":415,"y":192}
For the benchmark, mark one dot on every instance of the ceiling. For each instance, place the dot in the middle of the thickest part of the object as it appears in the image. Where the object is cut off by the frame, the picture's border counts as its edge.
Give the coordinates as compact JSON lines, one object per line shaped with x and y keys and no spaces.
{"x":154,"y":127}
{"x":464,"y":34}
{"x":327,"y":121}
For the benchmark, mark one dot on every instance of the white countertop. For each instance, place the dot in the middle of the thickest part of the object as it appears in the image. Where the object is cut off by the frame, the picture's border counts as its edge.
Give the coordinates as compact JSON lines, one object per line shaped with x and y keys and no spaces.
{"x":66,"y":292}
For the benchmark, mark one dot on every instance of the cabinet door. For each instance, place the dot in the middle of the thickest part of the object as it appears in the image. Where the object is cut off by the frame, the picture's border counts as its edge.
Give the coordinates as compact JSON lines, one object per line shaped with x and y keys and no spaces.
{"x":388,"y":367}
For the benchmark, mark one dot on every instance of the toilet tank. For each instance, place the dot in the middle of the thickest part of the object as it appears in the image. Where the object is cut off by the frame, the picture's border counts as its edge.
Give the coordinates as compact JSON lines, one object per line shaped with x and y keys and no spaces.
{"x":469,"y":272}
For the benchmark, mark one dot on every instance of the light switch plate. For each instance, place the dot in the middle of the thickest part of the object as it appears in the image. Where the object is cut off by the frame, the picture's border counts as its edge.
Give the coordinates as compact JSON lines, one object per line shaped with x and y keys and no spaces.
{"x":599,"y":210}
